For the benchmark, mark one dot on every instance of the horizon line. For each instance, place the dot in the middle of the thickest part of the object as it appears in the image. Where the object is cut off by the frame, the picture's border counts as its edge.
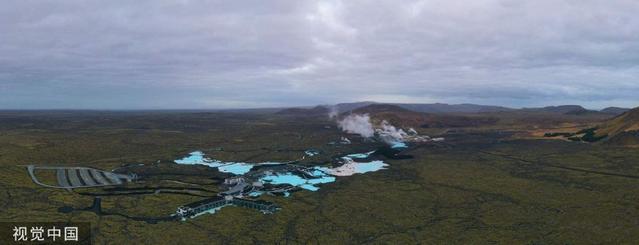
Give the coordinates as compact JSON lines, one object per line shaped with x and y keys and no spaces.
{"x":286,"y":107}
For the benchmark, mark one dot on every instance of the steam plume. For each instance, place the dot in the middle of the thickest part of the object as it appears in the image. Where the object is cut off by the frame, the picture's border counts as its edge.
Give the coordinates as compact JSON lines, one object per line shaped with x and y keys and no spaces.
{"x":332,"y":112}
{"x":357,"y":124}
{"x":390,"y":134}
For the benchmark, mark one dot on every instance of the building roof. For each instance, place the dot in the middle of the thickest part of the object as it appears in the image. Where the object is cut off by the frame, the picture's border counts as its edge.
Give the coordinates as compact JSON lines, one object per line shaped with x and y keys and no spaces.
{"x":204,"y":201}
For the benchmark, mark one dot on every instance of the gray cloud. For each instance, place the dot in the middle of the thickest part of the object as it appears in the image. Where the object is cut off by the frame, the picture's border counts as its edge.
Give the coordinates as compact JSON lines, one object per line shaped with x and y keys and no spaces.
{"x":221,"y":54}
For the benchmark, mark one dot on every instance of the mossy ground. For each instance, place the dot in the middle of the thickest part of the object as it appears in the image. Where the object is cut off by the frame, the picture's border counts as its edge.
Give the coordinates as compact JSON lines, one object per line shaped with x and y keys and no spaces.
{"x":476,"y":192}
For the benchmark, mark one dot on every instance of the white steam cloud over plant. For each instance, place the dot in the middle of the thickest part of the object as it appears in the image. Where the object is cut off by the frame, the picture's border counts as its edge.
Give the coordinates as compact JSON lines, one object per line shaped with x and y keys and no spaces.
{"x":357,"y":124}
{"x":361,"y":124}
{"x":390,"y":134}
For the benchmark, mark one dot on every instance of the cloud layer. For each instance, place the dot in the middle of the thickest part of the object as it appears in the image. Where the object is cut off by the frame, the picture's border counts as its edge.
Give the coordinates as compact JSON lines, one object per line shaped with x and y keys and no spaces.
{"x":226,"y":54}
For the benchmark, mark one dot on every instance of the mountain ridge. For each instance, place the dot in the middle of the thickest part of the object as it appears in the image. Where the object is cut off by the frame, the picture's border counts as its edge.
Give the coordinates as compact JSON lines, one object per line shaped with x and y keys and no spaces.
{"x":443,"y":108}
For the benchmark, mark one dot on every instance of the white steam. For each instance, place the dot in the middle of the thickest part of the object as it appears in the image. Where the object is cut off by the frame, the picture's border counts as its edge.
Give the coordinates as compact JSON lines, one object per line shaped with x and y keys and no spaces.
{"x":361,"y":124}
{"x":332,"y":112}
{"x":390,"y":134}
{"x":357,"y":124}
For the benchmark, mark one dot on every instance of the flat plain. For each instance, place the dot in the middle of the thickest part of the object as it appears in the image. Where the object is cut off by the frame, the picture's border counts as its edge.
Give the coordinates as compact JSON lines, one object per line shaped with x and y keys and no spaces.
{"x":480,"y":186}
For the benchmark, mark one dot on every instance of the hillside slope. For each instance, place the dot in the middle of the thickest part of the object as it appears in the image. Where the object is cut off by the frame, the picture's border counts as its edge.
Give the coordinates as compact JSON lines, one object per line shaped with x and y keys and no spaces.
{"x":393,"y":114}
{"x":401,"y":116}
{"x":627,"y":122}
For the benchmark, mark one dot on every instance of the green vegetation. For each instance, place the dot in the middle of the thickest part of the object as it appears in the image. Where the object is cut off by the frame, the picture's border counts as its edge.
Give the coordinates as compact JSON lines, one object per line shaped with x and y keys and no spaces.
{"x":590,"y":136}
{"x":475,"y":188}
{"x":559,"y":134}
{"x":586,"y":135}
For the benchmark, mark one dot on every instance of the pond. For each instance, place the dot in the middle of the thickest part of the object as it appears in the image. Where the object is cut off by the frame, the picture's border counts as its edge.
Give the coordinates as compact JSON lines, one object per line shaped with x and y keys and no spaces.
{"x":306,"y":178}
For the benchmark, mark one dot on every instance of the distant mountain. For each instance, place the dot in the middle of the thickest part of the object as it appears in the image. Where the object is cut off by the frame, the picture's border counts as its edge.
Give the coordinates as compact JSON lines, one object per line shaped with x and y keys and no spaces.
{"x":345,"y":107}
{"x":562,"y":109}
{"x":429,"y":108}
{"x":394,"y":114}
{"x":382,"y":108}
{"x":584,"y":112}
{"x":459,"y":108}
{"x":440,"y":108}
{"x":615,"y":110}
{"x":397,"y":115}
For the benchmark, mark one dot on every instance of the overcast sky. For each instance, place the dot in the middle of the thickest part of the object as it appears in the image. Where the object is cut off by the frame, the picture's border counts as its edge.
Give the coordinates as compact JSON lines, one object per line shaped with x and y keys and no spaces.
{"x":230,"y":54}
